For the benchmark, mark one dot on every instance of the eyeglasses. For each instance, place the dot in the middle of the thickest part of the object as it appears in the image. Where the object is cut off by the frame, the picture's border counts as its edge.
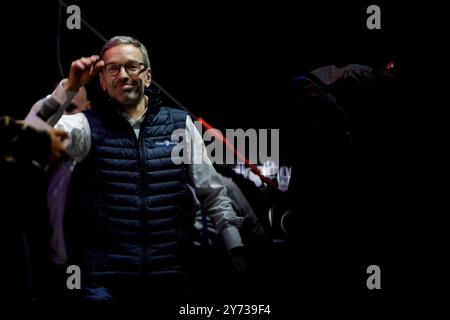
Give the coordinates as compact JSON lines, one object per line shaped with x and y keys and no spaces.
{"x":132,"y":68}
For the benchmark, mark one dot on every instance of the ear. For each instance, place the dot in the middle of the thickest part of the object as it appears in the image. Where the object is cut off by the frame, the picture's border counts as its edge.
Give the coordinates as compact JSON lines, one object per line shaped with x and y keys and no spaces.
{"x":102,"y":80}
{"x":148,"y":76}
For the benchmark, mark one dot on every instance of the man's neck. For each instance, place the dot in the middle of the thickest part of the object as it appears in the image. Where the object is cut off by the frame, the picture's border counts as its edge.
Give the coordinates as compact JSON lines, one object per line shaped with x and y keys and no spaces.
{"x":136,"y":111}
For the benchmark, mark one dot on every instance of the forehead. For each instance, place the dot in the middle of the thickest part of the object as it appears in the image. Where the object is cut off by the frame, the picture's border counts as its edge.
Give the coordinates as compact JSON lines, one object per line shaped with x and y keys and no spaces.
{"x":122,"y":53}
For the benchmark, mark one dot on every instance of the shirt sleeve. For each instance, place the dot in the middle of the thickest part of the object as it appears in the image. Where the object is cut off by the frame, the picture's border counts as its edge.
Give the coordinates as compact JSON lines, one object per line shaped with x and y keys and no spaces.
{"x":210,"y":190}
{"x":79,"y":134}
{"x":76,"y":126}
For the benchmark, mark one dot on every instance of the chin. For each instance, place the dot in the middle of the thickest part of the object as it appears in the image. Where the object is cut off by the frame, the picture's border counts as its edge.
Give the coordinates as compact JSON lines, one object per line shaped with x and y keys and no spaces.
{"x":128,"y":99}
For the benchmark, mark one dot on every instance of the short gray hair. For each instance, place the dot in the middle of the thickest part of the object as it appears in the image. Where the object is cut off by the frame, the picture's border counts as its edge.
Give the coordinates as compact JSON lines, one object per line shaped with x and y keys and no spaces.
{"x":118,"y":40}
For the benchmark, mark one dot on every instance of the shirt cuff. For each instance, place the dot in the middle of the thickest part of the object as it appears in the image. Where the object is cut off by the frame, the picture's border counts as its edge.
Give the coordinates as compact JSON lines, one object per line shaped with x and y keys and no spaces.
{"x":63,"y":96}
{"x":231,"y":238}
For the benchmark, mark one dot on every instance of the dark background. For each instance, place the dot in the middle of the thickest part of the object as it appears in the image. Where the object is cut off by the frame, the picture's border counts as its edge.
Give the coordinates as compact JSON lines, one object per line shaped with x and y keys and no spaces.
{"x":232,"y":64}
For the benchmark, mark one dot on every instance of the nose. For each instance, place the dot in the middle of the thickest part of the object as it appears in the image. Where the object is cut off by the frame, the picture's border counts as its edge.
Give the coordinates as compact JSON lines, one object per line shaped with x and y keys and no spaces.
{"x":123,"y":72}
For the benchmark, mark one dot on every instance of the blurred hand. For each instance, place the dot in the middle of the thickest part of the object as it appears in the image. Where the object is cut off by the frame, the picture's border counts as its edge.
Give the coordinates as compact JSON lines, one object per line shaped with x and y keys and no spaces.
{"x":82,"y":71}
{"x":59,"y":141}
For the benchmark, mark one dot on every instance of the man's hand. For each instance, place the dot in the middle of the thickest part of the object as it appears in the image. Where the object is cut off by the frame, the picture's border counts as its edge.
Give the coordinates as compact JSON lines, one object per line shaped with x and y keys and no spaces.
{"x":58,"y":140}
{"x":82,"y":71}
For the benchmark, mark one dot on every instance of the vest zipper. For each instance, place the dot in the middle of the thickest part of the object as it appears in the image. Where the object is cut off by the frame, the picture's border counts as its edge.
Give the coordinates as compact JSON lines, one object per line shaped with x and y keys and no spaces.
{"x":141,"y":146}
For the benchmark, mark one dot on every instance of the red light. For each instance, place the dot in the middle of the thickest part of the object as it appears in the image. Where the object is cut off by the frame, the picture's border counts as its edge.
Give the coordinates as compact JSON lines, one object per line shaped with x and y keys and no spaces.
{"x":390,"y":65}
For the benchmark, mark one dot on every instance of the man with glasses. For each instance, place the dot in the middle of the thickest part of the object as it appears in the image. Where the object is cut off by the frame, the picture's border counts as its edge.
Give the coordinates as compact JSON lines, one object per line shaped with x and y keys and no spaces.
{"x":131,"y":211}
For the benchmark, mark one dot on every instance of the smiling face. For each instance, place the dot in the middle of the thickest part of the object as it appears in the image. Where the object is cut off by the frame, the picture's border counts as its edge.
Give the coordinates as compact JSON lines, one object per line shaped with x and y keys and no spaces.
{"x":127,"y":86}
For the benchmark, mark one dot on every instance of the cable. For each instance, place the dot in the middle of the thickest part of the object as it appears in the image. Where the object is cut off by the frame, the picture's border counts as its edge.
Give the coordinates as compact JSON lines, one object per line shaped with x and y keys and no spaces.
{"x":58,"y":40}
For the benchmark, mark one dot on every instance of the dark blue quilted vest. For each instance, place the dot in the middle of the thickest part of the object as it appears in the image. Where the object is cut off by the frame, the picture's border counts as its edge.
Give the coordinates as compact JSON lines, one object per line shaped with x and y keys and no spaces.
{"x":133,"y":200}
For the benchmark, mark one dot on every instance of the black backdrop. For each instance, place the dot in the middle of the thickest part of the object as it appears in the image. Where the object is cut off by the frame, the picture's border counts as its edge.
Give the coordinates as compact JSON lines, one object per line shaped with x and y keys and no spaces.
{"x":232,"y":64}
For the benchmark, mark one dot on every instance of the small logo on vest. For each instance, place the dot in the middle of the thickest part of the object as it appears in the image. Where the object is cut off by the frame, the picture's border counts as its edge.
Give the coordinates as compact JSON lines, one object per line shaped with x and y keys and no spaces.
{"x":166,"y":143}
